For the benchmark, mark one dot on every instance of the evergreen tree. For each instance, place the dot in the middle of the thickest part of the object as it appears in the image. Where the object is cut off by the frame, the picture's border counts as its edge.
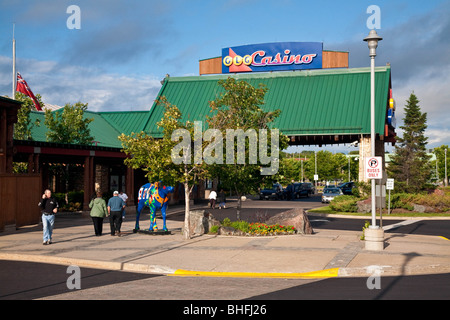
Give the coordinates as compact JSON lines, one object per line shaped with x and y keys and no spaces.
{"x":410,"y":165}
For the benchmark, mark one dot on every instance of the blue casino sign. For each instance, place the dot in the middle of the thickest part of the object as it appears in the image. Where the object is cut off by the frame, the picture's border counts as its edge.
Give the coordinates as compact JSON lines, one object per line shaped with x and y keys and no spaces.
{"x":276,"y":56}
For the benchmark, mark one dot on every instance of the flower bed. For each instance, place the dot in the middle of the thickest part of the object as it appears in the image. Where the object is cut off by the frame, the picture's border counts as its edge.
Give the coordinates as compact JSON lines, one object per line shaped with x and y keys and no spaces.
{"x":255,"y":228}
{"x":263,"y":229}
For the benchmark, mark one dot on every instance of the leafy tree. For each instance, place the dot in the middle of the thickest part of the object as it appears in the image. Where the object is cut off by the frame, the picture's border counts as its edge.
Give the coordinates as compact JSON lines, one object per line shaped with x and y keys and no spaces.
{"x":240,"y":106}
{"x":329,"y":166}
{"x":290,"y":169}
{"x":69,"y":125}
{"x":155,"y":157}
{"x":23,"y":127}
{"x":410,"y":165}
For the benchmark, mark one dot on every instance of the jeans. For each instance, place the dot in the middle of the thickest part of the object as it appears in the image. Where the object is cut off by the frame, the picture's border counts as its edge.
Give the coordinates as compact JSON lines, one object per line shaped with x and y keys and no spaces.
{"x":47,"y":222}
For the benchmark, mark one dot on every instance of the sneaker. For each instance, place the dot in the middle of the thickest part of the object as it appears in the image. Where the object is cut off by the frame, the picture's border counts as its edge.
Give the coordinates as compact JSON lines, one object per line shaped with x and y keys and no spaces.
{"x":45,"y":243}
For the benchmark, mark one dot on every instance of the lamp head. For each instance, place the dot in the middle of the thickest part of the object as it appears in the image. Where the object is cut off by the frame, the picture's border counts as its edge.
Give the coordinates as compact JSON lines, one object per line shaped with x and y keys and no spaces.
{"x":372,"y":41}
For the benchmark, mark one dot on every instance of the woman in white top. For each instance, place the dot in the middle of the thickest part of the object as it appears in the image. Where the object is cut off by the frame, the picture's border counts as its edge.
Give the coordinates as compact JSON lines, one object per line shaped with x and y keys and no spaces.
{"x":212,"y":199}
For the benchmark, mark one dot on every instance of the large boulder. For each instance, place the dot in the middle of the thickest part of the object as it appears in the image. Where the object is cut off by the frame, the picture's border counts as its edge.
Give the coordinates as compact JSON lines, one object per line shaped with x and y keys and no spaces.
{"x":364,"y":206}
{"x":201,"y":221}
{"x":295,"y":217}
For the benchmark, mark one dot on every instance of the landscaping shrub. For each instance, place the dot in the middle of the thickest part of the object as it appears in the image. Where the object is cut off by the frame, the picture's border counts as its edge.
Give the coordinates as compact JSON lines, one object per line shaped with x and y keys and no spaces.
{"x":60,"y":198}
{"x":407,"y":201}
{"x":75,"y":196}
{"x":402,"y":200}
{"x":344,"y":203}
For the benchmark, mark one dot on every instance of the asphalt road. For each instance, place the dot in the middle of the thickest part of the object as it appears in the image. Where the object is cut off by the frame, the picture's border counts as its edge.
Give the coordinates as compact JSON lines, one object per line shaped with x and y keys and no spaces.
{"x":423,"y":227}
{"x":26,"y":281}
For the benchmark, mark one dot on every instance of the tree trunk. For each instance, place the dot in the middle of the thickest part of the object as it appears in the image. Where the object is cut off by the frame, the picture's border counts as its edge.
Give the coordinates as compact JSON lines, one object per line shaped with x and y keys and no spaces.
{"x":187,"y":209}
{"x":239,"y":206}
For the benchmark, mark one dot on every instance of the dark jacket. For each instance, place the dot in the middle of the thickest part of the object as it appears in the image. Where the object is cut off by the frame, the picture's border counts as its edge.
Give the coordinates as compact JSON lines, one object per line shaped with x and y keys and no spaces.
{"x":221,"y":197}
{"x":48,"y":204}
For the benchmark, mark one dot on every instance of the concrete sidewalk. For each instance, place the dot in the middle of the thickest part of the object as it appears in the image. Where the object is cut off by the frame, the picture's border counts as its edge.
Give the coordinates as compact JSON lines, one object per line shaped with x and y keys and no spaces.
{"x":327,"y":253}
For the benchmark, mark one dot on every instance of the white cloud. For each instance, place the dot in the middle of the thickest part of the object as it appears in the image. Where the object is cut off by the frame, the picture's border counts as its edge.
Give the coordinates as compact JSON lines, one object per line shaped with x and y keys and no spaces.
{"x":60,"y":84}
{"x":438,"y":137}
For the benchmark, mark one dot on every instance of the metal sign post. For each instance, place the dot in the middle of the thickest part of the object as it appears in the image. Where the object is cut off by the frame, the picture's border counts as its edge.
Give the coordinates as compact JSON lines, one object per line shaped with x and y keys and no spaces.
{"x":389,"y":186}
{"x":373,"y":170}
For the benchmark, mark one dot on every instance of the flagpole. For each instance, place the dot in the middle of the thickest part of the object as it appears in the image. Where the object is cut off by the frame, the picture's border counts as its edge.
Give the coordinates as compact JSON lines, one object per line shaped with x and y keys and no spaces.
{"x":14,"y":67}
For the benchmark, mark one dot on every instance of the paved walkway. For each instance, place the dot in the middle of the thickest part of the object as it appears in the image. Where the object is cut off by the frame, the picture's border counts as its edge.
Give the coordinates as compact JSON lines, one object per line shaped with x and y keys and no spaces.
{"x":326,"y":253}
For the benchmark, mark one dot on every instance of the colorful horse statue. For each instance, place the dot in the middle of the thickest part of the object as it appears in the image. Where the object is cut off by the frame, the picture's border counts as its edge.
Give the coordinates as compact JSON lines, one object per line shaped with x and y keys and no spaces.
{"x":155,"y":196}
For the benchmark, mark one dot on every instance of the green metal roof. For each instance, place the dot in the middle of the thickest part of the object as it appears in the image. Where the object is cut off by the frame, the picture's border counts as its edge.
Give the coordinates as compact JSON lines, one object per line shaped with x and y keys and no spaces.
{"x":313,"y":102}
{"x":127,"y":122}
{"x":105,"y":128}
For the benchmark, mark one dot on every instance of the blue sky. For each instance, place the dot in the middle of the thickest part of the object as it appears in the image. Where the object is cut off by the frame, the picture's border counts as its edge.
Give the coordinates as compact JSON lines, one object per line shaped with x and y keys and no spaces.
{"x":124,"y":48}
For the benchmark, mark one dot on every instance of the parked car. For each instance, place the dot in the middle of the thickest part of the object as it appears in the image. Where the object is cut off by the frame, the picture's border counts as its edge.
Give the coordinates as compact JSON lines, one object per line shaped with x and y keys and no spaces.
{"x":347,"y":187}
{"x":310,"y":187}
{"x":274,"y":193}
{"x":300,"y":190}
{"x":330,"y":193}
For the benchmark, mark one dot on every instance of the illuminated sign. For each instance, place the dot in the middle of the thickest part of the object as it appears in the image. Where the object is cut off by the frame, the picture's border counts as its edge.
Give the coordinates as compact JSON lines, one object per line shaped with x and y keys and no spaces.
{"x":391,"y":111}
{"x":276,"y":56}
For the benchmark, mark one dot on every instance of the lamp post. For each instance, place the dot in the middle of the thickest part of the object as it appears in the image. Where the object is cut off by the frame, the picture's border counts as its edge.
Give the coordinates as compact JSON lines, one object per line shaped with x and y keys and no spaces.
{"x":374,"y":235}
{"x":372,"y":41}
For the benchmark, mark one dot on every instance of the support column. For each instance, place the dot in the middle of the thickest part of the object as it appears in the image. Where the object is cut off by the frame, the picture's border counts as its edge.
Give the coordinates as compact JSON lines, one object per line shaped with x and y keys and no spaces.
{"x":3,"y":140}
{"x":88,"y":181}
{"x":129,"y":186}
{"x":365,"y":151}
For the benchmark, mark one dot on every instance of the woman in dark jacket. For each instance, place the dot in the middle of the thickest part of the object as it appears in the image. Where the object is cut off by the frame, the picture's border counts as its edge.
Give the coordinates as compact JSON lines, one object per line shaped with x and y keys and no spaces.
{"x":221,"y":198}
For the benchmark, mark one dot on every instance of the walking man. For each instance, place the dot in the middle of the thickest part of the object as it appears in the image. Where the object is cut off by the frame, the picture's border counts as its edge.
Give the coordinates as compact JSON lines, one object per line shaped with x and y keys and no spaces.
{"x":115,"y":207}
{"x":49,"y":207}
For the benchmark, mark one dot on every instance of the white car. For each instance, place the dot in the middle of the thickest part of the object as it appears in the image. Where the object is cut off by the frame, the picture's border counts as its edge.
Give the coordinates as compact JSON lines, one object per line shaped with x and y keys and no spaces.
{"x":329,"y":194}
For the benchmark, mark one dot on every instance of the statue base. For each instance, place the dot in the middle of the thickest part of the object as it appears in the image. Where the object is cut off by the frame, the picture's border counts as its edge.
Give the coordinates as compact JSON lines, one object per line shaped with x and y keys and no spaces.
{"x":151,"y":232}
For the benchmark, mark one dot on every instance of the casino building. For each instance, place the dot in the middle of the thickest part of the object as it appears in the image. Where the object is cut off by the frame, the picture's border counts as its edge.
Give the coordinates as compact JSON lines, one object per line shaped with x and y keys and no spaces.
{"x":322,"y":102}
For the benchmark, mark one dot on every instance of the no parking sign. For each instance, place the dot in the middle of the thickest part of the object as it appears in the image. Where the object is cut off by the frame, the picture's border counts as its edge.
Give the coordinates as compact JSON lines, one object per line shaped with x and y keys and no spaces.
{"x":374,"y":168}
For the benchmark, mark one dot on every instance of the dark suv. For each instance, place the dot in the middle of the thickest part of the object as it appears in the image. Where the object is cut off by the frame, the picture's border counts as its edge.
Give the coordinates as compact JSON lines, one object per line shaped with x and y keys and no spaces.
{"x":274,"y":193}
{"x":310,"y":187}
{"x":300,"y":190}
{"x":347,"y":187}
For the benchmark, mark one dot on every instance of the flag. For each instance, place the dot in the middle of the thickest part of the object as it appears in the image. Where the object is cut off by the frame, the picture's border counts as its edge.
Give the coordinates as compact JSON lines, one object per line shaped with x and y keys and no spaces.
{"x":23,"y":87}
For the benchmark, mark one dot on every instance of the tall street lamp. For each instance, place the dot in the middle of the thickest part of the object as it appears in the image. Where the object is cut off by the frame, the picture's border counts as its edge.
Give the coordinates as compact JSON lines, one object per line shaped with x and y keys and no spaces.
{"x":372,"y":41}
{"x":374,"y":235}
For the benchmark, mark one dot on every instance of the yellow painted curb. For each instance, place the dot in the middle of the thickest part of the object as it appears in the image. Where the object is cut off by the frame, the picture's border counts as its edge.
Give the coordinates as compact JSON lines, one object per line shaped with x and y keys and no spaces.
{"x":443,"y":238}
{"x":328,"y":273}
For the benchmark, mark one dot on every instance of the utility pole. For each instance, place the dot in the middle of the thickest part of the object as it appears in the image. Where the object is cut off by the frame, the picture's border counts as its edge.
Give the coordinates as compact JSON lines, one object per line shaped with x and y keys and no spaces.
{"x":14,"y":66}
